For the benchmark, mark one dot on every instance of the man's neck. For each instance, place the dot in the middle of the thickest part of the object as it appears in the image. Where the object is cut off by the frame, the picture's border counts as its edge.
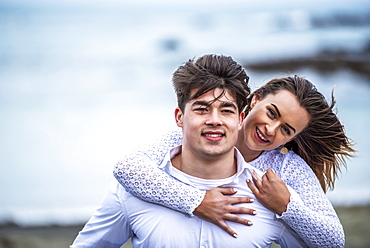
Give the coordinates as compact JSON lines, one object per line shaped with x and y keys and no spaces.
{"x":207,"y":168}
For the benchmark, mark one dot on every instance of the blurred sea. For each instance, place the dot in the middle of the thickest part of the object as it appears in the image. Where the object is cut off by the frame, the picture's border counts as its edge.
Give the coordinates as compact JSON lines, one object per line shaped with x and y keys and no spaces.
{"x":84,"y":82}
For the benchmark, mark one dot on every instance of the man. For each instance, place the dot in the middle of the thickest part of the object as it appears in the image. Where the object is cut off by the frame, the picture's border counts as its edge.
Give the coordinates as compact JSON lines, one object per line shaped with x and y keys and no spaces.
{"x":211,"y":94}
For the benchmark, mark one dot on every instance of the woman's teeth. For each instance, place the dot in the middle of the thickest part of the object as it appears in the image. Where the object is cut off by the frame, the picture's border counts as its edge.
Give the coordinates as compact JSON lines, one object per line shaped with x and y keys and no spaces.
{"x":260,"y":135}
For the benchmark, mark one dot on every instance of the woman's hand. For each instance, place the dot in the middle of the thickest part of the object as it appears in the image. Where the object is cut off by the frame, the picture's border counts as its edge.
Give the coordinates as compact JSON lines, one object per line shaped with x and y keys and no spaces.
{"x":271,"y":191}
{"x":216,"y":207}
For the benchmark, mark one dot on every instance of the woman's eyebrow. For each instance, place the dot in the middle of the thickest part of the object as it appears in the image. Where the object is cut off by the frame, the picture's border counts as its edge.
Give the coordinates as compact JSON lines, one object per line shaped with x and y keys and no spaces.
{"x":276,"y":108}
{"x":278,"y":112}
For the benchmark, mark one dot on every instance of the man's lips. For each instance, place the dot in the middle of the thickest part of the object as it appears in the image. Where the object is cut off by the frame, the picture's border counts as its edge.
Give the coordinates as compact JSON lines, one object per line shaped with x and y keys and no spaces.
{"x":260,"y":136}
{"x":213,"y":136}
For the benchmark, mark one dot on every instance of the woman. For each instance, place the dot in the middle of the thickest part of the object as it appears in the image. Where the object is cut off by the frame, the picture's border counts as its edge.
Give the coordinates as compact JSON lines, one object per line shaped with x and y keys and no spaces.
{"x":307,"y":159}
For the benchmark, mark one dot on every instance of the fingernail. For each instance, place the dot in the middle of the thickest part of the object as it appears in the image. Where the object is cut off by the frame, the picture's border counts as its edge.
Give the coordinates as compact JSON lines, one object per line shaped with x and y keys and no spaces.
{"x":250,"y":223}
{"x":251,"y":200}
{"x":254,"y":174}
{"x":235,"y":235}
{"x":235,"y":190}
{"x":254,"y":212}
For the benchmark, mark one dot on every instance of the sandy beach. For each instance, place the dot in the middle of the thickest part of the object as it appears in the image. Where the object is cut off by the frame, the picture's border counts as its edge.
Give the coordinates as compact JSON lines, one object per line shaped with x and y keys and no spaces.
{"x":356,"y":222}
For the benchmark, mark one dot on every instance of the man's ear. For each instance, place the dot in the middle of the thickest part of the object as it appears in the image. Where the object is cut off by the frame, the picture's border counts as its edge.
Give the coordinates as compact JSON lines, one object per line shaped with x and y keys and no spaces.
{"x":241,"y":119}
{"x":179,"y":117}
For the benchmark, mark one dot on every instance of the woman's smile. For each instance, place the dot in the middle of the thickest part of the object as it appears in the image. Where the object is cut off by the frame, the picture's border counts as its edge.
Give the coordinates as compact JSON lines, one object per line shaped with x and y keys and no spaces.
{"x":273,"y":121}
{"x":260,"y":137}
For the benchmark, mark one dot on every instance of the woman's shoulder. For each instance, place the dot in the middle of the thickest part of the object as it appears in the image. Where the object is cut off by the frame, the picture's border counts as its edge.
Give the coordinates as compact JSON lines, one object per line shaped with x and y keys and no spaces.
{"x":276,"y":156}
{"x":280,"y":163}
{"x":293,"y":158}
{"x":294,"y":167}
{"x":269,"y":159}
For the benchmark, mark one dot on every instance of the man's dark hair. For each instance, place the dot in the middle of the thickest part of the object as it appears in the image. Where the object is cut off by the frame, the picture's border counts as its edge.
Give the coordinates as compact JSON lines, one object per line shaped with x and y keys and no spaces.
{"x":210,"y":72}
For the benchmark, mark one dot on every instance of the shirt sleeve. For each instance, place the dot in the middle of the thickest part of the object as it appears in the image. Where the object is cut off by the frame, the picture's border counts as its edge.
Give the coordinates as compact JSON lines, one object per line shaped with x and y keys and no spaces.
{"x":290,"y":239}
{"x":140,"y":175}
{"x":309,"y":212}
{"x":109,"y":226}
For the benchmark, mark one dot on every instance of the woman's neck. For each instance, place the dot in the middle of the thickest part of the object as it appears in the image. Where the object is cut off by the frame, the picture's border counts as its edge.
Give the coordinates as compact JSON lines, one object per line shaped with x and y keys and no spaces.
{"x":248,"y":154}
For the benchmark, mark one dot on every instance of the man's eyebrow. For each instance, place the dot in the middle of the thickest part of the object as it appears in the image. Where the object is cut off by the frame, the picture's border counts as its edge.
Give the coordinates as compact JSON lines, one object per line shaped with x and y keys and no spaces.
{"x":202,"y":103}
{"x":278,"y":112}
{"x":205,"y":103}
{"x":228,"y":104}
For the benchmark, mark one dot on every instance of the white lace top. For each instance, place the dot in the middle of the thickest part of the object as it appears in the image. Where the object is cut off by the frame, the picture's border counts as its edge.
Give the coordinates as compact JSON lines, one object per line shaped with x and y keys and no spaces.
{"x":312,"y":217}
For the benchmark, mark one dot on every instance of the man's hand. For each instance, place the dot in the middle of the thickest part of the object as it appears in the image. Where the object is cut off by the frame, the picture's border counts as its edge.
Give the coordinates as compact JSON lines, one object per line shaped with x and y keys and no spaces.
{"x":216,"y":207}
{"x":271,"y":191}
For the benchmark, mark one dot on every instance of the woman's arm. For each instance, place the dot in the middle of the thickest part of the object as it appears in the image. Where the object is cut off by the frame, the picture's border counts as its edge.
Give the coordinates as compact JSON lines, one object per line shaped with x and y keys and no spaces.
{"x":140,"y":175}
{"x":313,"y":209}
{"x":308,"y":212}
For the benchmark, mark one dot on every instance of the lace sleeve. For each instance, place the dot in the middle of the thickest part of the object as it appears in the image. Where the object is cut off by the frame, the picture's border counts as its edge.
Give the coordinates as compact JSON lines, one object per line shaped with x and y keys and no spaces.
{"x":140,"y":175}
{"x":310,"y":214}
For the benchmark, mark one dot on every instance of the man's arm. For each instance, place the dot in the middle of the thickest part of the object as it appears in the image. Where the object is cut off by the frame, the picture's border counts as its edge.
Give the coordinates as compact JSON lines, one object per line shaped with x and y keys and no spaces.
{"x":109,"y":226}
{"x":290,"y":239}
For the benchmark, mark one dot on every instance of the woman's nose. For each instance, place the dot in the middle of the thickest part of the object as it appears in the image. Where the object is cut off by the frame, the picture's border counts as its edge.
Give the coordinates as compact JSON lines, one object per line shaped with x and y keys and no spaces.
{"x":271,"y":128}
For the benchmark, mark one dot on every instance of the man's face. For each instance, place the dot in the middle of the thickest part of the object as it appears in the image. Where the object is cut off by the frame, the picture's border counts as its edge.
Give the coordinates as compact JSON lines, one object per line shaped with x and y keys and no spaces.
{"x":210,"y":131}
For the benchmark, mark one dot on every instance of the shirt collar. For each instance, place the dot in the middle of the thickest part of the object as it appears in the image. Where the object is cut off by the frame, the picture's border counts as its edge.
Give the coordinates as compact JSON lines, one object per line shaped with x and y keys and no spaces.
{"x":242,"y":168}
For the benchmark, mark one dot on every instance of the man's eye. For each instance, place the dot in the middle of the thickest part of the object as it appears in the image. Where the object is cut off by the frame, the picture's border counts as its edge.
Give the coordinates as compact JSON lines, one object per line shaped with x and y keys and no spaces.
{"x":200,"y":109}
{"x":228,"y":111}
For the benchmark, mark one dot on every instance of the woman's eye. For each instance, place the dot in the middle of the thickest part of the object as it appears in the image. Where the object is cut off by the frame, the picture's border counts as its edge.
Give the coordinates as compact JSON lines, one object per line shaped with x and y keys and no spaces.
{"x":271,"y":113}
{"x":286,"y":130}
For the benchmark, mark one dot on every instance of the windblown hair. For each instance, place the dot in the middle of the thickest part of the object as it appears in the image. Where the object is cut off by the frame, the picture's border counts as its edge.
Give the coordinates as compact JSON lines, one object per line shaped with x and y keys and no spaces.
{"x":210,"y":72}
{"x":323,"y":144}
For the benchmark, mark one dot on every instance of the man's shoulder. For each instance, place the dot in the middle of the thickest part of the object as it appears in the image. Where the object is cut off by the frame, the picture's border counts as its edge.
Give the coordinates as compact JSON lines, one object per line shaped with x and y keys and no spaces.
{"x":117,"y":189}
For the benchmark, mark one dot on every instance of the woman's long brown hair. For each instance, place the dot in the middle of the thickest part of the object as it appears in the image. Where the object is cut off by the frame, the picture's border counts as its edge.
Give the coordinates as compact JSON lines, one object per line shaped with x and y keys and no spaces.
{"x":323,"y":144}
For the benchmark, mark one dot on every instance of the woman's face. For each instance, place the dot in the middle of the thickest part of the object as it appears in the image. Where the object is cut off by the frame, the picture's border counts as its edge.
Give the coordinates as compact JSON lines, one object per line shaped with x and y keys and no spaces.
{"x":273,"y":121}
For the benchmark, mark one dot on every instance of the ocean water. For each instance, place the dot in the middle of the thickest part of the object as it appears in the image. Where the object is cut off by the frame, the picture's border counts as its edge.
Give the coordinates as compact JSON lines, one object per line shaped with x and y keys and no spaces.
{"x":82,"y":83}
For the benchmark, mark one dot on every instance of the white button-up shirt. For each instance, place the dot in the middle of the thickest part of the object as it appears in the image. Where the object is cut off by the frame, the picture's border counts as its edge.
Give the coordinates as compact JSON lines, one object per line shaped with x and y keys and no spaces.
{"x":122,"y":216}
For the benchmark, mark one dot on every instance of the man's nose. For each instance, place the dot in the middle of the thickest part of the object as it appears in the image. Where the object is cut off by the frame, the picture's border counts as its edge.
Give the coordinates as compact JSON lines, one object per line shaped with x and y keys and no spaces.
{"x":214,"y":119}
